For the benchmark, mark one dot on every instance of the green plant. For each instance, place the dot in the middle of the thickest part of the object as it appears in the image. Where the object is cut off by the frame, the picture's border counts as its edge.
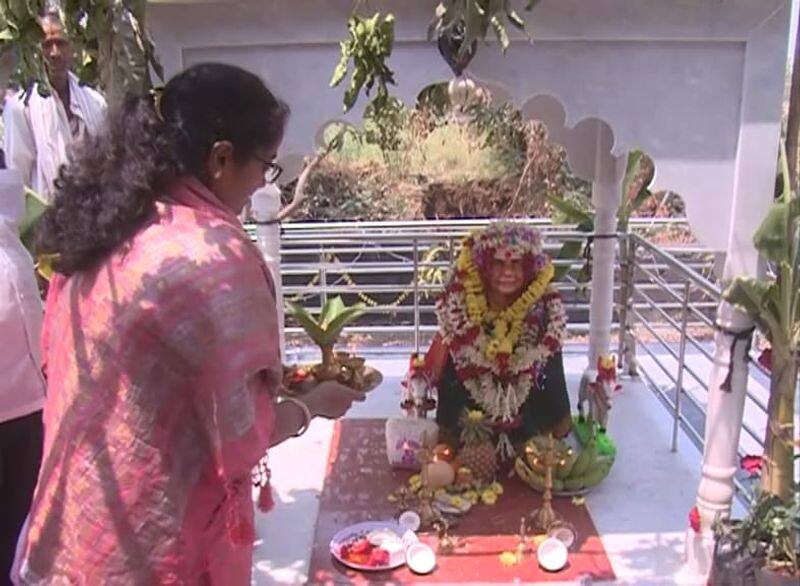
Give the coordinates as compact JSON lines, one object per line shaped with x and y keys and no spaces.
{"x":370,"y":41}
{"x":384,"y":126}
{"x":773,"y":303}
{"x":109,"y":37}
{"x":768,"y":533}
{"x":326,"y":328}
{"x":368,"y":46}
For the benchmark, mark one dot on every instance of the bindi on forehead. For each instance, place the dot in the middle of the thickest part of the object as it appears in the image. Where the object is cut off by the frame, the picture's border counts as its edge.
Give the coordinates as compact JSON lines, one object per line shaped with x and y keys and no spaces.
{"x":506,"y":255}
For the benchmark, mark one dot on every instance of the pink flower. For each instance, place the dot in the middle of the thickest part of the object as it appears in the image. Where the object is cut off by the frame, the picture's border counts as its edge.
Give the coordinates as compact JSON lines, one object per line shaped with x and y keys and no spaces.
{"x":751,"y":464}
{"x":694,"y":519}
{"x":765,"y":358}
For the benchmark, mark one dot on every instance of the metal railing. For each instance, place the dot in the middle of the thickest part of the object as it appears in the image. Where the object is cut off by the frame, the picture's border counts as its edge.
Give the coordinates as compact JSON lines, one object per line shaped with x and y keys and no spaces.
{"x":398,"y":268}
{"x":676,"y":343}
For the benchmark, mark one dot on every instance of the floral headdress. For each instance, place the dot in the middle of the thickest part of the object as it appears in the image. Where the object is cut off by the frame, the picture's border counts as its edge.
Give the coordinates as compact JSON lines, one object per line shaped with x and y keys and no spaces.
{"x":499,"y":356}
{"x":509,"y":241}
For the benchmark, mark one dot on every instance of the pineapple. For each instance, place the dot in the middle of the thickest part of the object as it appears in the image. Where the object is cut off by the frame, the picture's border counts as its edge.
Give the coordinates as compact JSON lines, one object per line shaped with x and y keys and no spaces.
{"x":477,"y":452}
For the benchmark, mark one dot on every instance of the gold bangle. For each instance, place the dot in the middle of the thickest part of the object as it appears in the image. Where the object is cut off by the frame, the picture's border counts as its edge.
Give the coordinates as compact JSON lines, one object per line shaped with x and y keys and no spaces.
{"x":306,"y":414}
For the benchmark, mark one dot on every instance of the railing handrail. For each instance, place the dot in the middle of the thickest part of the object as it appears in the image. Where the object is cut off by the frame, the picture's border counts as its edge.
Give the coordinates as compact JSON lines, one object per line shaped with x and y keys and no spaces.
{"x":696,"y":278}
{"x":402,"y":224}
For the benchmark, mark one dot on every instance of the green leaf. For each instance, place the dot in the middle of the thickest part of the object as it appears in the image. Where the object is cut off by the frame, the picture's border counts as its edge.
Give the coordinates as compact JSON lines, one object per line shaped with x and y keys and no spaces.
{"x":574,"y":214}
{"x":516,"y":20}
{"x":307,"y":322}
{"x":770,"y":238}
{"x":337,"y":324}
{"x":500,"y":32}
{"x":333,"y":307}
{"x":35,"y":207}
{"x":629,"y":203}
{"x":570,"y":249}
{"x":758,"y":299}
{"x":341,"y":70}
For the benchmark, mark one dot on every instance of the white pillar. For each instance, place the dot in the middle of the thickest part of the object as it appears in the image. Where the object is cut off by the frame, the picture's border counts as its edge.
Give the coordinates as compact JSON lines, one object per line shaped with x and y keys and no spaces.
{"x":754,"y":182}
{"x":606,"y":193}
{"x":266,"y":203}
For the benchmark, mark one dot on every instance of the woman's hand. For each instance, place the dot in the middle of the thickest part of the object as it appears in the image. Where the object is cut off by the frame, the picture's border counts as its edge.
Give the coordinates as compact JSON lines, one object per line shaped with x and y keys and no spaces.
{"x":330,"y":399}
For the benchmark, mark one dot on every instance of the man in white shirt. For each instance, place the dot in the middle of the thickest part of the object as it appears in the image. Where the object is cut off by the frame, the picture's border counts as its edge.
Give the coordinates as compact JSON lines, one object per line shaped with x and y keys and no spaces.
{"x":22,"y":386}
{"x":40,"y":130}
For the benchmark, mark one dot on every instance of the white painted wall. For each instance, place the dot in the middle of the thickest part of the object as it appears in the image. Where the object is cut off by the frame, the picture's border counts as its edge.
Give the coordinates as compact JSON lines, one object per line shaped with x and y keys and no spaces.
{"x":695,"y":83}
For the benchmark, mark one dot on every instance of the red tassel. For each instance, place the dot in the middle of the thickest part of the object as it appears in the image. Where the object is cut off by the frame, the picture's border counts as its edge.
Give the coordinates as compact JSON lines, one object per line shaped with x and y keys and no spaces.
{"x":265,"y":501}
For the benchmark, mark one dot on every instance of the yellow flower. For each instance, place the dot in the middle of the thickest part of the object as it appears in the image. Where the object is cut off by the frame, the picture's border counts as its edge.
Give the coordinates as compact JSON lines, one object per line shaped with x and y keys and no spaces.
{"x":578,"y":501}
{"x":496,"y":487}
{"x":471,"y":496}
{"x":488,"y":497}
{"x":415,"y":480}
{"x":457,"y":501}
{"x":507,"y":326}
{"x":475,"y":415}
{"x":392,"y":498}
{"x":508,"y":558}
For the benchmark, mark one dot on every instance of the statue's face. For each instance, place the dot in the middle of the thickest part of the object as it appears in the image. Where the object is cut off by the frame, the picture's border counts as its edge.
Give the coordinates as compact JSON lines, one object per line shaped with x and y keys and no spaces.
{"x":506,"y":275}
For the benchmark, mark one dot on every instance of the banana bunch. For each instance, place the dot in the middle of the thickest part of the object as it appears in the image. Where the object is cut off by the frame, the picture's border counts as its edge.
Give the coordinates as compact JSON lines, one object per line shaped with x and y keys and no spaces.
{"x":573,"y":471}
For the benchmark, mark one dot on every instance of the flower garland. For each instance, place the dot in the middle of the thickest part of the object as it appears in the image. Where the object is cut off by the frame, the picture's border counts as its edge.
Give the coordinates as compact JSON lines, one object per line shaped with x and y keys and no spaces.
{"x":499,"y":357}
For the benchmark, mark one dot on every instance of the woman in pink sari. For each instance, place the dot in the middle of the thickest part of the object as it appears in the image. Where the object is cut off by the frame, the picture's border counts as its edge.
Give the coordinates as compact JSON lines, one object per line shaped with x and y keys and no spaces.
{"x":160,"y":344}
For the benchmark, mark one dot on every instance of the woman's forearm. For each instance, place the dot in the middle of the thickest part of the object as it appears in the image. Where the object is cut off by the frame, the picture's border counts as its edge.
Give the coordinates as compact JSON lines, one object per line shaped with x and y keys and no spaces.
{"x":289,"y":419}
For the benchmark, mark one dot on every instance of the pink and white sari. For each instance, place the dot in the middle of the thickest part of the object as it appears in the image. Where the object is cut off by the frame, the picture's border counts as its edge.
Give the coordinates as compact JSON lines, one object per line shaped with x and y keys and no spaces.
{"x":162,"y":364}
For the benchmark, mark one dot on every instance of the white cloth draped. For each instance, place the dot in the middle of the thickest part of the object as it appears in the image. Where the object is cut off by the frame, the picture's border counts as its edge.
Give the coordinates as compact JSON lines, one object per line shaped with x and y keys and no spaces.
{"x":22,"y":386}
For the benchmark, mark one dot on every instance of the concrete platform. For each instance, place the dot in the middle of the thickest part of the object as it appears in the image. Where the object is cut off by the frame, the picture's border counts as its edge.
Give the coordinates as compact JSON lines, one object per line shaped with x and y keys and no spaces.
{"x":640,"y":511}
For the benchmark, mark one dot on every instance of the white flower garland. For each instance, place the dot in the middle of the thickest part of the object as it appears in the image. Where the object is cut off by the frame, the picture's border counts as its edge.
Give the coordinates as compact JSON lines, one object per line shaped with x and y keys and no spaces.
{"x":501,"y":394}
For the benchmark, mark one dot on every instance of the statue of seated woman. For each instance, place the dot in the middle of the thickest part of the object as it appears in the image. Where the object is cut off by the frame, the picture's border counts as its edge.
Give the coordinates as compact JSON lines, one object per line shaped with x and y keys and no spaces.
{"x":498,"y":350}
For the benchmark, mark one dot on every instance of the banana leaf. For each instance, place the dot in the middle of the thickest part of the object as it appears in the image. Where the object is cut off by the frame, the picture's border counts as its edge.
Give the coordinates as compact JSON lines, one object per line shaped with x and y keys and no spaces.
{"x":572,"y":213}
{"x":630,"y":205}
{"x":569,"y":250}
{"x":759,"y":300}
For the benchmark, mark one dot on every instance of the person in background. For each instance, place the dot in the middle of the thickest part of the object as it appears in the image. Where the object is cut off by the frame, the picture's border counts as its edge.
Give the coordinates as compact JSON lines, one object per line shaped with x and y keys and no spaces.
{"x":22,"y":387}
{"x":41,"y":130}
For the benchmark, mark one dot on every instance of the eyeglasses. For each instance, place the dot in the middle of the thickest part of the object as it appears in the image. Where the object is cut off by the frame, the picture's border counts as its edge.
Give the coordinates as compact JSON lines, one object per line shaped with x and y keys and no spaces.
{"x":272,"y":170}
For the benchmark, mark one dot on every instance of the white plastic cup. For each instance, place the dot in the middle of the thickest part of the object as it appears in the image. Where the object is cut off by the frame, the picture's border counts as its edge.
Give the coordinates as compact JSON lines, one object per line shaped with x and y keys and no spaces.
{"x":409,"y":538}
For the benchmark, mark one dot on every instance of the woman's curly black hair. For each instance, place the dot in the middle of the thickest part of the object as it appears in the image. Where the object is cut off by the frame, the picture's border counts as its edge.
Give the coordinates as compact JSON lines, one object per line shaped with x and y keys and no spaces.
{"x":109,"y":188}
